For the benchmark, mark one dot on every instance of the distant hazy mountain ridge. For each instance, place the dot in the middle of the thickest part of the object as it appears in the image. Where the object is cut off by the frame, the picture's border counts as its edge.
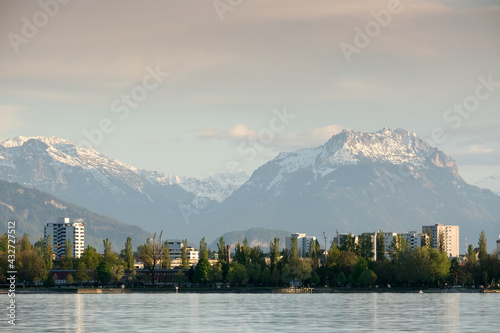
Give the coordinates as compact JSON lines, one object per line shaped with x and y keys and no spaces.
{"x":491,"y":183}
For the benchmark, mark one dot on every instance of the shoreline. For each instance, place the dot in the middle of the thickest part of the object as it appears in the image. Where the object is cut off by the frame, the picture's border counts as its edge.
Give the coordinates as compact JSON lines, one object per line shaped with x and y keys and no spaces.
{"x":244,"y":290}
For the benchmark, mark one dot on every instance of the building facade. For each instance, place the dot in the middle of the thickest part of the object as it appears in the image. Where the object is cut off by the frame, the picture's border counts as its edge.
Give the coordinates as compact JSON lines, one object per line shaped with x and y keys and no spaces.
{"x":498,"y":247}
{"x":415,"y":239}
{"x":303,"y":243}
{"x":65,"y":230}
{"x":175,"y":247}
{"x":447,"y":233}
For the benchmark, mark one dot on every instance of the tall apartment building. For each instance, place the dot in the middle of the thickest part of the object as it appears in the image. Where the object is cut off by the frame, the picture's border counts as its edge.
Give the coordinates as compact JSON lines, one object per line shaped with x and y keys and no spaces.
{"x":65,"y":230}
{"x":303,"y":243}
{"x":175,"y":247}
{"x":450,"y":237}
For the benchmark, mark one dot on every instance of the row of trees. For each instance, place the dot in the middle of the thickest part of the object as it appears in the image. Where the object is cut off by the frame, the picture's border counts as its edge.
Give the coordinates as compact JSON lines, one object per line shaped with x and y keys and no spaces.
{"x":346,"y":262}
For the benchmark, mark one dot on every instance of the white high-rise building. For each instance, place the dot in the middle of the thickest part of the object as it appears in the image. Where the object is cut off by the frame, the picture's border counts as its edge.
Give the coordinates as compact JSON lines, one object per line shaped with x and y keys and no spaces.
{"x":303,"y":243}
{"x":450,"y":237}
{"x":65,"y":230}
{"x":498,"y":247}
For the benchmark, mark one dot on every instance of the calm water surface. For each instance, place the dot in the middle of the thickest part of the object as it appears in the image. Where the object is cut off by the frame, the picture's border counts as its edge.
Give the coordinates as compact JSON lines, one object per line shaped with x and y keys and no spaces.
{"x":254,"y":313}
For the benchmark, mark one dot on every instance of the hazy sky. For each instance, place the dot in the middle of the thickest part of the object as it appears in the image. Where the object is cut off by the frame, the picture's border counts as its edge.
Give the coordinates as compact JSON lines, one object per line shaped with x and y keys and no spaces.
{"x":225,"y":69}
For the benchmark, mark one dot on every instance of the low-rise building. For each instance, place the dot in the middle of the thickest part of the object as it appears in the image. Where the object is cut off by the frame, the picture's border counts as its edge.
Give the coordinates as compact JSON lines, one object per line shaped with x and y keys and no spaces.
{"x":176,"y":247}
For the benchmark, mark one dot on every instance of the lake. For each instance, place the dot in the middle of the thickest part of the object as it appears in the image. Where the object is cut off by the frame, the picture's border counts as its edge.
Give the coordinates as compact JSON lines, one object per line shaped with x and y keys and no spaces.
{"x":432,"y":312}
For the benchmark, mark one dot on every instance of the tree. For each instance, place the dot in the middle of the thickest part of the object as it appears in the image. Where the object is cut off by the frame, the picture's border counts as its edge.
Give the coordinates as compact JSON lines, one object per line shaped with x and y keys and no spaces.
{"x":439,"y":265}
{"x":109,"y":255}
{"x":341,"y":279}
{"x":202,"y":271}
{"x":274,"y":249}
{"x":441,"y":242}
{"x":237,"y":274}
{"x":483,"y":248}
{"x":484,"y":274}
{"x":117,"y":272}
{"x":294,"y":251}
{"x":68,"y":249}
{"x":203,"y":249}
{"x":333,"y":255}
{"x":381,"y":246}
{"x":301,"y":268}
{"x":69,"y":279}
{"x":266,"y":275}
{"x":104,"y":272}
{"x":184,"y":255}
{"x":359,"y":268}
{"x":151,"y":254}
{"x":180,"y":278}
{"x":48,"y":254}
{"x":81,"y":272}
{"x":25,"y":244}
{"x":348,"y":243}
{"x":364,"y":277}
{"x":315,"y":253}
{"x":365,"y":247}
{"x":91,"y":258}
{"x":471,"y":255}
{"x":222,"y":251}
{"x":215,"y":274}
{"x":314,"y":278}
{"x":253,"y":271}
{"x":30,"y":267}
{"x":398,"y":244}
{"x":276,"y":276}
{"x":129,"y":254}
{"x":67,"y":261}
{"x":39,"y":247}
{"x":167,"y":261}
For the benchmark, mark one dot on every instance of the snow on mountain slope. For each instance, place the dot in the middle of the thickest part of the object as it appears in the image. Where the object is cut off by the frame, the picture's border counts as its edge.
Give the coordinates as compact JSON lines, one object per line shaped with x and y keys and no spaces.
{"x":491,"y":183}
{"x":216,"y":187}
{"x":65,"y":157}
{"x":398,"y":147}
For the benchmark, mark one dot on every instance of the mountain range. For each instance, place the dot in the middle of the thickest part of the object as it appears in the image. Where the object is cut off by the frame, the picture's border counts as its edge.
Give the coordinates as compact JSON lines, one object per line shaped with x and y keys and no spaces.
{"x":356,"y":182}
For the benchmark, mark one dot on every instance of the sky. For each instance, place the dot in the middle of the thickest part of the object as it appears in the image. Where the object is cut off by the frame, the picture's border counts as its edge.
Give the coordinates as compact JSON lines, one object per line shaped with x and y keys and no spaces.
{"x":193,"y":88}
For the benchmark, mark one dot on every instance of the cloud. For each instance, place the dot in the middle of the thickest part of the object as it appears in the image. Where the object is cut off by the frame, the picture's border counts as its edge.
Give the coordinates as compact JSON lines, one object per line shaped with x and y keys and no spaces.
{"x":283,"y":140}
{"x":237,"y":133}
{"x":306,"y":139}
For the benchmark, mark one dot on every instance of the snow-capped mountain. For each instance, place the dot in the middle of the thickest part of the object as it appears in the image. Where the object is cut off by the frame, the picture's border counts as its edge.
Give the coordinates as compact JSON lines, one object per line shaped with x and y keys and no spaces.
{"x":359,"y":182}
{"x":105,"y":185}
{"x":491,"y":183}
{"x":216,"y":187}
{"x":400,"y":148}
{"x":355,"y":182}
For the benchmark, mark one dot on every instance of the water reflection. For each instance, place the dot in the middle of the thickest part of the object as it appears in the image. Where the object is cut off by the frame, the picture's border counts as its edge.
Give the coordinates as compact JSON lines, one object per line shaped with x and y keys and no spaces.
{"x":255,"y":312}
